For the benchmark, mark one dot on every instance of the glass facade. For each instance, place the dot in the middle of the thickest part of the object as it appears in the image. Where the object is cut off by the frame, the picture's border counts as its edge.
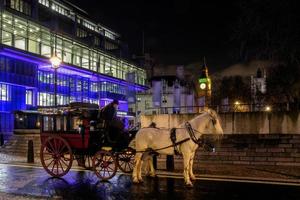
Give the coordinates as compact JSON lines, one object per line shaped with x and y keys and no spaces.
{"x":26,"y":35}
{"x":87,"y":74}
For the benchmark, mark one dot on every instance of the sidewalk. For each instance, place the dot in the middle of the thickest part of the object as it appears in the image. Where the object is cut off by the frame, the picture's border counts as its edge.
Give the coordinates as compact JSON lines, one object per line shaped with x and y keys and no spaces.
{"x":283,"y":174}
{"x":258,"y":172}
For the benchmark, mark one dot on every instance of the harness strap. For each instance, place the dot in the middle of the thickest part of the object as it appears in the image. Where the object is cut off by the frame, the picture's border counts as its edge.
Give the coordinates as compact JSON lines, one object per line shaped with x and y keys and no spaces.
{"x":190,"y":130}
{"x":173,"y":139}
{"x":172,"y":145}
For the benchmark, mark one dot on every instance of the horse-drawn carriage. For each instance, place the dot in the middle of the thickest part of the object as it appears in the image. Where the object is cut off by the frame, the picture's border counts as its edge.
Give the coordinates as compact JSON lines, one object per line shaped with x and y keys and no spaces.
{"x":66,"y":137}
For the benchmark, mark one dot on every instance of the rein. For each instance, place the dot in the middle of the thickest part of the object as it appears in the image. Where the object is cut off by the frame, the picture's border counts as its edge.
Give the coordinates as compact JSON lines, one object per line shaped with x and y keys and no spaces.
{"x":191,"y":131}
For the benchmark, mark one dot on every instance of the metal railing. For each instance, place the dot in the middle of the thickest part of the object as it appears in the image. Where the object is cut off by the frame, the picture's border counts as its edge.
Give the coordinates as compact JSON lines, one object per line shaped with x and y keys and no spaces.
{"x":236,"y":107}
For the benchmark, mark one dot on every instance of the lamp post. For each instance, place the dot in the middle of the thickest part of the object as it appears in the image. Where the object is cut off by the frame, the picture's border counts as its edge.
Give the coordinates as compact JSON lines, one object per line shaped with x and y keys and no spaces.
{"x":268,"y":110}
{"x":55,"y":62}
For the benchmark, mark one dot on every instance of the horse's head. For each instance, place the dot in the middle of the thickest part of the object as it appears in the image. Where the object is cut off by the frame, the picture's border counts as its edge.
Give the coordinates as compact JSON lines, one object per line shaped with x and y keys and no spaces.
{"x":208,"y":122}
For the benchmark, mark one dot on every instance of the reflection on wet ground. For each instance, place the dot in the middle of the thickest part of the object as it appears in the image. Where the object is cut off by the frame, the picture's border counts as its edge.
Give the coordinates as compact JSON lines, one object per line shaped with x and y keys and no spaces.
{"x":85,"y":185}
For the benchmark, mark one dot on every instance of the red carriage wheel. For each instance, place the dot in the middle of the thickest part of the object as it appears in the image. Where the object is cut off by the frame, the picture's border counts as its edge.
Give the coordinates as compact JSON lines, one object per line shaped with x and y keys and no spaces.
{"x":126,"y":161}
{"x":104,"y":165}
{"x":56,"y":156}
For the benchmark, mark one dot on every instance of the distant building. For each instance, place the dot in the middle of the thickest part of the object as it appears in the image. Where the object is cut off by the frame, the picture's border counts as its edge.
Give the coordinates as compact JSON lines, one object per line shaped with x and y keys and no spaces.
{"x":258,"y":87}
{"x":168,"y":94}
{"x":204,"y":90}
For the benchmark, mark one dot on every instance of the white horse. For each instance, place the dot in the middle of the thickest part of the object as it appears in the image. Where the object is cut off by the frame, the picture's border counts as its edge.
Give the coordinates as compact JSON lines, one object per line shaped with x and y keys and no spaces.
{"x":157,"y":139}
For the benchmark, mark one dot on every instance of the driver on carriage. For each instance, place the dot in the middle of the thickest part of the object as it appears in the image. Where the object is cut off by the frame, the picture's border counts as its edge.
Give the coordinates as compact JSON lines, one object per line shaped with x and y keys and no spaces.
{"x":112,"y":123}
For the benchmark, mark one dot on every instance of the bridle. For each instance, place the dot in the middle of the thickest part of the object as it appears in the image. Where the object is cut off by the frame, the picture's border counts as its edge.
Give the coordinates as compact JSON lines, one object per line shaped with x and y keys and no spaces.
{"x":192,"y":131}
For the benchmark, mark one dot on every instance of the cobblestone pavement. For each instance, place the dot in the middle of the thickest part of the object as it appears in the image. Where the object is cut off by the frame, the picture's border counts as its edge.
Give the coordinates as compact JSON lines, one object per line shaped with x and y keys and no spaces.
{"x":31,"y":182}
{"x":6,"y":196}
{"x":5,"y":158}
{"x":272,"y":172}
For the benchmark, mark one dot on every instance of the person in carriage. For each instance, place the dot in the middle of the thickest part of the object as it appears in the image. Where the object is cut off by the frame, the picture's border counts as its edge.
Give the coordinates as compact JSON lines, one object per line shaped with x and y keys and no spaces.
{"x":115,"y":127}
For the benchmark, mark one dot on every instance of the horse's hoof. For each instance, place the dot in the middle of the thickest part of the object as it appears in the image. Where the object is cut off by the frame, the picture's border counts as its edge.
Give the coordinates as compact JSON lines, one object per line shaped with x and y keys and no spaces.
{"x":135,"y":181}
{"x":141,"y":181}
{"x":189,"y":185}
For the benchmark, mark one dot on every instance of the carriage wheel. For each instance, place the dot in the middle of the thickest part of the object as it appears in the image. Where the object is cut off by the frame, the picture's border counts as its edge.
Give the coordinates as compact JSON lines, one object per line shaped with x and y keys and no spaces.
{"x":56,"y":156}
{"x":104,"y":165}
{"x":88,"y":161}
{"x":126,"y":161}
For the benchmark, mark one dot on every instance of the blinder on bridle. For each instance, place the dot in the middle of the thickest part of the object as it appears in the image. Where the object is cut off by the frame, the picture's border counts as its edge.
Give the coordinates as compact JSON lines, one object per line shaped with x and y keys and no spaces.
{"x":213,"y":120}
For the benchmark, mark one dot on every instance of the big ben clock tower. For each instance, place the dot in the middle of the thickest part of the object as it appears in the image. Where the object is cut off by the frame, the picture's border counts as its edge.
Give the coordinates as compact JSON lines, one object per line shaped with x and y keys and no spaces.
{"x":204,"y":90}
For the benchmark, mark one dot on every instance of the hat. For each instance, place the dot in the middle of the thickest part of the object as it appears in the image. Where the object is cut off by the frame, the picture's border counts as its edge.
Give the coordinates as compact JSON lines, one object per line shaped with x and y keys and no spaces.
{"x":115,"y":101}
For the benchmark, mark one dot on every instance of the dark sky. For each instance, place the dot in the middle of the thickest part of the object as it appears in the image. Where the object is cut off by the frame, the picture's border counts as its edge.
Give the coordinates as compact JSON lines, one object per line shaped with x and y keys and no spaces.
{"x":176,"y":31}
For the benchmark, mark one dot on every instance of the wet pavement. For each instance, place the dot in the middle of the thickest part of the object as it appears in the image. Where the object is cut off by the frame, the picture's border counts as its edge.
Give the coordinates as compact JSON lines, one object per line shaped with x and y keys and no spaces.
{"x":26,"y":182}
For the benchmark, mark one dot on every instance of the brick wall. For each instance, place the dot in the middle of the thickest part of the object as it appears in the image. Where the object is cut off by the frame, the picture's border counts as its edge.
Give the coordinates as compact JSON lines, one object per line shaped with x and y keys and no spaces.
{"x":248,"y":149}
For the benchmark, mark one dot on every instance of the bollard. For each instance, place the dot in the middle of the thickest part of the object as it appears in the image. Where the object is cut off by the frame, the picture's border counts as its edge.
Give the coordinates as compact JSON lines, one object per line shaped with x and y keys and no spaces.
{"x":170,"y":163}
{"x":1,"y":139}
{"x":30,"y":152}
{"x":154,"y":162}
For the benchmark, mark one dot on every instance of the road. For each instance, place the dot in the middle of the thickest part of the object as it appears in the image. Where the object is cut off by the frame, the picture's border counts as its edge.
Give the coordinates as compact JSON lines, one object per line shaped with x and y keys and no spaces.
{"x":29,"y":182}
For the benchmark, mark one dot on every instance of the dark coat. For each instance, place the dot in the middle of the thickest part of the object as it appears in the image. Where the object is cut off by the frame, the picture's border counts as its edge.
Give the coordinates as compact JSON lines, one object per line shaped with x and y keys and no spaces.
{"x":108,"y":112}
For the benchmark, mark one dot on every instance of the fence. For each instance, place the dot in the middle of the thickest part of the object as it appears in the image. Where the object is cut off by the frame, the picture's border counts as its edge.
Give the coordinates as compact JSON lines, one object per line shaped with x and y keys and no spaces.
{"x":236,"y":107}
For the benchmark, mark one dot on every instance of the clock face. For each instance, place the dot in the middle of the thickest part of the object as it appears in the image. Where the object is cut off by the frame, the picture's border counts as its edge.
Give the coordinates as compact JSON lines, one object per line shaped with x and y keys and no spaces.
{"x":202,"y":86}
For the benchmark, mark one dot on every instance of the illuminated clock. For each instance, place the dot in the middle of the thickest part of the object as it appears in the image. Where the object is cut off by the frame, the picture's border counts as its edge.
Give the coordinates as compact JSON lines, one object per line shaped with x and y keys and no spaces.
{"x":202,"y":86}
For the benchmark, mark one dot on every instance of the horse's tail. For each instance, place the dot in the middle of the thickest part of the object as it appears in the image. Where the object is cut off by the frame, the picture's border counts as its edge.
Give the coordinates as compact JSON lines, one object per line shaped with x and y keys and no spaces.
{"x":132,"y":144}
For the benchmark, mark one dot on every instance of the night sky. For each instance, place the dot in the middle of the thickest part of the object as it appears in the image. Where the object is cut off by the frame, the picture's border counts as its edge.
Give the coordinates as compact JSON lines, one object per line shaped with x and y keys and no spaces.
{"x":176,"y":31}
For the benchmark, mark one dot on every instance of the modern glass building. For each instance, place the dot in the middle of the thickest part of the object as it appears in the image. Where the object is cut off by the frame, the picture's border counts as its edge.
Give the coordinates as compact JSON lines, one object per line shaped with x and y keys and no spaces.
{"x":92,"y":68}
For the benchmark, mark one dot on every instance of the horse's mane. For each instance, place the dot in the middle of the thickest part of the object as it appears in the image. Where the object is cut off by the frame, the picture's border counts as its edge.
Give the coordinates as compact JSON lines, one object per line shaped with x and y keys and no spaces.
{"x":201,"y":114}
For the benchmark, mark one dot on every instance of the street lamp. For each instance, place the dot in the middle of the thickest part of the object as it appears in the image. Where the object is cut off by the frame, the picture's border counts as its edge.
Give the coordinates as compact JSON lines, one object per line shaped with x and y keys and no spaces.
{"x":55,"y":62}
{"x":236,"y":105}
{"x":268,"y":110}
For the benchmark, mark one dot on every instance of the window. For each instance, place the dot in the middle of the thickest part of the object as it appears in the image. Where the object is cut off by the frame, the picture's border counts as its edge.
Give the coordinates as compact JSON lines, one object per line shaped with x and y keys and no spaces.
{"x":62,"y":100}
{"x":44,"y":2}
{"x":60,"y":9}
{"x":88,"y":24}
{"x":4,"y":92}
{"x":45,"y":99}
{"x":6,"y":38}
{"x":109,"y":35}
{"x":94,"y":87}
{"x":95,"y":101}
{"x":29,"y":96}
{"x":21,"y":6}
{"x":81,"y":33}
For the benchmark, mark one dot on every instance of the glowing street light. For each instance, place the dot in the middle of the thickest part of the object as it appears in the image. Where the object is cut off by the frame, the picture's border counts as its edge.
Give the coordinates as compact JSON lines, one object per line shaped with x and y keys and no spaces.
{"x":237,"y":103}
{"x":268,"y":108}
{"x":55,"y":61}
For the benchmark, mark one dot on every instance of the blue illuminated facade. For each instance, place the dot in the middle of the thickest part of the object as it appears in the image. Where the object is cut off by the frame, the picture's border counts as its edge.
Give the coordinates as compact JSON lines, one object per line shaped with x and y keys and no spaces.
{"x":91,"y":70}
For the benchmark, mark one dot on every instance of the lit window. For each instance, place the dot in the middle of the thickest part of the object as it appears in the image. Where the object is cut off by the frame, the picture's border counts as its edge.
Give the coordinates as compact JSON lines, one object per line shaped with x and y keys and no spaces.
{"x":29,"y":96}
{"x":4,"y":92}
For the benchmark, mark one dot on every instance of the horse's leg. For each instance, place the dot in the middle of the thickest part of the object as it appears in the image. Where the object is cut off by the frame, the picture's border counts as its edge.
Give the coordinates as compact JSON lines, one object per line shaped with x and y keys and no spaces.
{"x":192,"y":176}
{"x":186,"y":160}
{"x":139,"y":171}
{"x":150,"y":165}
{"x":137,"y":161}
{"x":146,"y":166}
